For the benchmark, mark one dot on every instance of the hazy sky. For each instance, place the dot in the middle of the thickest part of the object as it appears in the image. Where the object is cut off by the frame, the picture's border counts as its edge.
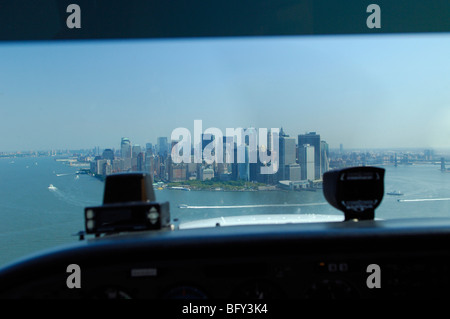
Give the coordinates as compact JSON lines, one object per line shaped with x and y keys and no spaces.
{"x":372,"y":91}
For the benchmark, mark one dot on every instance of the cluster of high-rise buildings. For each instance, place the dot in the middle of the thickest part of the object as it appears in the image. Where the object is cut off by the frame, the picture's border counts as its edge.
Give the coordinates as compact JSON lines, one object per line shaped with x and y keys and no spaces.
{"x":301,"y":161}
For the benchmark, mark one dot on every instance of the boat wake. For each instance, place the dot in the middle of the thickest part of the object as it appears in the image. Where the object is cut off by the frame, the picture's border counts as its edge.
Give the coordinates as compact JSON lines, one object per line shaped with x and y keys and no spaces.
{"x":423,"y":200}
{"x":67,"y":197}
{"x":251,"y":206}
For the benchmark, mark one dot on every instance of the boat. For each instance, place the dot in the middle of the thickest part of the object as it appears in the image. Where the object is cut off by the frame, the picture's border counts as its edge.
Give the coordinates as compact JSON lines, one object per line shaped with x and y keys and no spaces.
{"x":180,"y":188}
{"x":395,"y":193}
{"x":51,"y":187}
{"x":183,"y":206}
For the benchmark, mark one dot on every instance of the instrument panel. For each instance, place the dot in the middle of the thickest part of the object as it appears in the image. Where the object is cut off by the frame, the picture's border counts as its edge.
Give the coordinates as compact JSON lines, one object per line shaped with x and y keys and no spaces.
{"x":316,"y":261}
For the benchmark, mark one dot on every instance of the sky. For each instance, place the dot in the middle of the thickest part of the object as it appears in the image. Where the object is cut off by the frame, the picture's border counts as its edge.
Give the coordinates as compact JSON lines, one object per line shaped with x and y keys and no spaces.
{"x":377,"y":91}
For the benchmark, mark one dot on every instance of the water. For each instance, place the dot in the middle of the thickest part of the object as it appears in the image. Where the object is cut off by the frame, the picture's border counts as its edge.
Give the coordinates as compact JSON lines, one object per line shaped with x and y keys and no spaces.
{"x":34,"y":217}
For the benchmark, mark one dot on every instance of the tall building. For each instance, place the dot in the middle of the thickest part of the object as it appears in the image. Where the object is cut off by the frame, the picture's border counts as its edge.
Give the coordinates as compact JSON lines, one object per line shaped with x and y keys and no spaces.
{"x":108,"y":154}
{"x":313,"y":140}
{"x":245,"y":152}
{"x":125,"y":153}
{"x":140,"y":165}
{"x":225,"y":169}
{"x":293,"y":172}
{"x":206,"y":140}
{"x":135,"y":150}
{"x":268,"y":145}
{"x":287,"y":154}
{"x":270,"y":136}
{"x":118,"y":165}
{"x":102,"y":167}
{"x":244,"y":167}
{"x":149,"y":164}
{"x":125,"y":148}
{"x":324,"y":157}
{"x":255,"y":172}
{"x":234,"y":164}
{"x":162,"y":171}
{"x":163,"y":146}
{"x":307,"y":161}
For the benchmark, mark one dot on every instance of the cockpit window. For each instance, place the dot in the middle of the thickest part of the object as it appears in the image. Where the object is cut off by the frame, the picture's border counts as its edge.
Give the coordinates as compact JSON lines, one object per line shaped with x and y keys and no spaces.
{"x":237,"y":130}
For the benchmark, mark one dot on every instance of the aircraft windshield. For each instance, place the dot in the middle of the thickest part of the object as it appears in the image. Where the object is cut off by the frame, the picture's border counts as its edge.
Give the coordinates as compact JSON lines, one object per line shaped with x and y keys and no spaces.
{"x":226,"y":127}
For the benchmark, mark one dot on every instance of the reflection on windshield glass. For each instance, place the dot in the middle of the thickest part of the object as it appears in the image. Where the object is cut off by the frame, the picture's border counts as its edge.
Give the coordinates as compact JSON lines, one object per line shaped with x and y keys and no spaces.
{"x":231,"y":127}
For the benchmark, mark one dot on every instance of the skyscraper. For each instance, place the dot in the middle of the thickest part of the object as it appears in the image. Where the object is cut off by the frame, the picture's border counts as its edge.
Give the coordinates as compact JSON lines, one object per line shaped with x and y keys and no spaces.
{"x":108,"y":154}
{"x":125,"y":152}
{"x":307,"y":161}
{"x":150,"y":164}
{"x":135,"y":150}
{"x":206,"y":140}
{"x":287,"y":156}
{"x":125,"y":148}
{"x":313,"y":140}
{"x":163,"y":146}
{"x":244,"y":167}
{"x":140,"y":165}
{"x":324,"y":157}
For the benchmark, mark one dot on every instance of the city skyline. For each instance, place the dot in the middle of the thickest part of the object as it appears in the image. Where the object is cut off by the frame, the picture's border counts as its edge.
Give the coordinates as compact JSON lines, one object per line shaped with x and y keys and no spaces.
{"x":298,"y":165}
{"x":301,"y":165}
{"x":361,"y":91}
{"x":116,"y":148}
{"x":240,"y":159}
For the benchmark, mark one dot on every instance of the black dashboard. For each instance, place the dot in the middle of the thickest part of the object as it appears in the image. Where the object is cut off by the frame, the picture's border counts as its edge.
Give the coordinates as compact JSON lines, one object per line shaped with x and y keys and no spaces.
{"x":291,"y":261}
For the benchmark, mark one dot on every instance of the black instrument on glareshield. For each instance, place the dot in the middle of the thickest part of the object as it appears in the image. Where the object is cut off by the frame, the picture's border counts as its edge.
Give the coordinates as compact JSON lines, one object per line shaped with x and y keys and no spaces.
{"x":128,"y":205}
{"x":356,"y":191}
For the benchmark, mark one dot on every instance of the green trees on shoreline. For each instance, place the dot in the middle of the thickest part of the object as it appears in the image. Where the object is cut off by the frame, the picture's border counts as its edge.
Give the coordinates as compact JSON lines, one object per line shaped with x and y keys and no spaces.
{"x":215,"y":183}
